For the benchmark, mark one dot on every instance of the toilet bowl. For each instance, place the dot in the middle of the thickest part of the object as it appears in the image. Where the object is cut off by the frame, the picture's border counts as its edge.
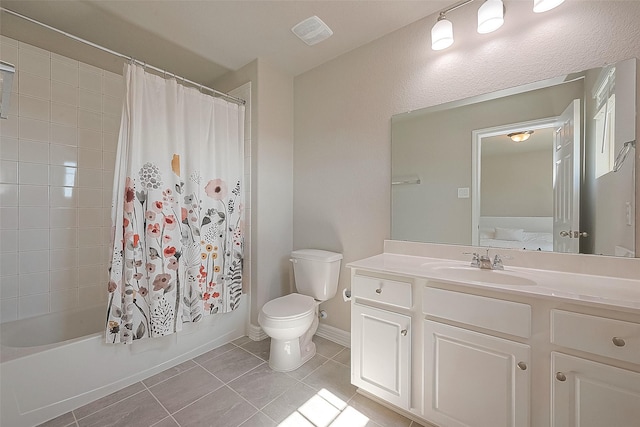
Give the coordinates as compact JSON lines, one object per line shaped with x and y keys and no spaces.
{"x":292,"y":320}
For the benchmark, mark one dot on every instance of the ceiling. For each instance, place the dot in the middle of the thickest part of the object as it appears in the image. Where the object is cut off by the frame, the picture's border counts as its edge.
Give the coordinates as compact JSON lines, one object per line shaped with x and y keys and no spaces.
{"x":202,"y":40}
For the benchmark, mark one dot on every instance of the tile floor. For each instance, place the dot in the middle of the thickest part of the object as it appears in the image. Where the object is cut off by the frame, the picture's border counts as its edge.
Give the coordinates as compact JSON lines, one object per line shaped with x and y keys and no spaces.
{"x":232,"y":386}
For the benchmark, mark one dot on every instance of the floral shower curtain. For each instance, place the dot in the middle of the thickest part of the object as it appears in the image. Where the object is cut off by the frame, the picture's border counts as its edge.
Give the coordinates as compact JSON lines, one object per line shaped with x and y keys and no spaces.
{"x":177,"y":235}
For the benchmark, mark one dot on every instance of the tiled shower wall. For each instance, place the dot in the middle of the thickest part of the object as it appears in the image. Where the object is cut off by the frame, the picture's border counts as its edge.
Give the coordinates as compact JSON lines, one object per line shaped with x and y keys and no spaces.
{"x":57,"y":157}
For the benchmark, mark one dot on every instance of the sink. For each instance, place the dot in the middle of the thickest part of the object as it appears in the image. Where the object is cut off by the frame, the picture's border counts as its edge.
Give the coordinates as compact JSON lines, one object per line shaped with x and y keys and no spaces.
{"x":472,"y":274}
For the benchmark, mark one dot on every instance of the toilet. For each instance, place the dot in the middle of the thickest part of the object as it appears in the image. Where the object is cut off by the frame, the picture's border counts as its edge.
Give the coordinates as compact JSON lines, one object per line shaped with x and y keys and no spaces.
{"x":292,"y":320}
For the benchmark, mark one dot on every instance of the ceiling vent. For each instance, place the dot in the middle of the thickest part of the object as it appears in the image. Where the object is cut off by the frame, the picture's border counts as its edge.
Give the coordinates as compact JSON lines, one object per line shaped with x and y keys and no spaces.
{"x":312,"y":30}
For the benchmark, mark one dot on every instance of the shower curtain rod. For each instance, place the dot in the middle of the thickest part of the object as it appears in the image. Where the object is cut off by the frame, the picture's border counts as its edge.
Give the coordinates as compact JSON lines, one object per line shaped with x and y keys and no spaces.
{"x":129,"y":58}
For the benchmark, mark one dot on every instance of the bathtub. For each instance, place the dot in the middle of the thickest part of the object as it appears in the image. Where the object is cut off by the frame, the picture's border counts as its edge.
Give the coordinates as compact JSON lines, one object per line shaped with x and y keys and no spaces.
{"x":52,"y":364}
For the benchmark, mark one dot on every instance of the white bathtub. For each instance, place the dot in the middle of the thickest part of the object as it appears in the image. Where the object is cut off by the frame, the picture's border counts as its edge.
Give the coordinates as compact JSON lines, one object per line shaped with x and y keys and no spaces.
{"x":55,"y":363}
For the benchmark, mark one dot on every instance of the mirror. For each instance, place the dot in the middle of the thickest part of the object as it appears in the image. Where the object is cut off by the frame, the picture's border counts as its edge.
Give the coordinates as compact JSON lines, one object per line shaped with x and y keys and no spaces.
{"x":548,"y":166}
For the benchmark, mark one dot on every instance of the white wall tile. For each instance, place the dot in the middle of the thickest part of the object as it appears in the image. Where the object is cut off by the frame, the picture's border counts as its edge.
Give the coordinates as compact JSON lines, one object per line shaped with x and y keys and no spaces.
{"x":8,"y":172}
{"x":9,"y":287}
{"x":63,"y":155}
{"x":8,"y":241}
{"x":63,"y":279}
{"x":9,"y":53}
{"x":89,"y":120}
{"x":65,"y":135}
{"x":63,"y":176}
{"x":92,"y":295}
{"x":90,"y":78}
{"x":90,"y":256}
{"x":90,"y":139}
{"x":33,"y":240}
{"x":9,"y":128}
{"x":34,"y":195}
{"x":92,"y":275}
{"x":110,"y":142}
{"x":89,"y":178}
{"x":89,"y":198}
{"x":33,"y":174}
{"x":111,"y":124}
{"x":37,"y":130}
{"x":109,"y":160}
{"x":90,"y":217}
{"x":35,"y":283}
{"x":64,"y":72}
{"x":34,"y":63}
{"x":56,"y":57}
{"x":8,"y":195}
{"x":63,"y":197}
{"x":63,"y":217}
{"x":8,"y":309}
{"x":33,"y":305}
{"x":9,"y":148}
{"x":34,"y":262}
{"x":106,"y":215}
{"x":8,"y":218}
{"x":89,"y":237}
{"x":33,"y":108}
{"x":63,"y":259}
{"x":113,"y":85}
{"x":33,"y":217}
{"x":33,"y":49}
{"x":14,"y":104}
{"x":33,"y":151}
{"x":91,"y":101}
{"x":91,"y":159}
{"x":111,"y":106}
{"x":64,"y":94}
{"x":64,"y":300}
{"x":36,"y":86}
{"x":63,"y":238}
{"x":63,"y":114}
{"x":8,"y":264}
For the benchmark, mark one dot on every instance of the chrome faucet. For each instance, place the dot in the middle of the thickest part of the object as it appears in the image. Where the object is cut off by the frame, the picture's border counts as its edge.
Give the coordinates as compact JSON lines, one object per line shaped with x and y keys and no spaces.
{"x":484,"y":261}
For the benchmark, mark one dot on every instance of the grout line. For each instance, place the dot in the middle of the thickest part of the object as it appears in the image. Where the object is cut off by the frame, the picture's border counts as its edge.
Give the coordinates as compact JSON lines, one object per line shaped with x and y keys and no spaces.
{"x":110,"y":405}
{"x":168,"y":378}
{"x":160,"y":403}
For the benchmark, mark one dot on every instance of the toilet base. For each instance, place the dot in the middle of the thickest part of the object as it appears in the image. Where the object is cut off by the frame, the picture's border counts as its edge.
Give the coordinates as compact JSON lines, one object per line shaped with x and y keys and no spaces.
{"x":285,"y":356}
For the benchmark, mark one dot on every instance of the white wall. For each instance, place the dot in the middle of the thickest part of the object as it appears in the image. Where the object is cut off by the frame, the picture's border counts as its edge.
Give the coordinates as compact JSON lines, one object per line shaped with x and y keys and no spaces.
{"x":58,"y":149}
{"x":343,"y":108}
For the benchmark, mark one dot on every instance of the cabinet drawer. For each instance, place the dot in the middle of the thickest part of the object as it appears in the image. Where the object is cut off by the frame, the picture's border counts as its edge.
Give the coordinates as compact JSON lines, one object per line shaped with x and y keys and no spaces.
{"x":382,"y":290}
{"x":598,"y":335}
{"x":509,"y":317}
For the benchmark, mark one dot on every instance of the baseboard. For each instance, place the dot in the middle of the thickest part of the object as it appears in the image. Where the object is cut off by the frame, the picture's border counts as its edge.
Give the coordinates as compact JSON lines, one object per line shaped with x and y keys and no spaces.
{"x":256,"y":333}
{"x":334,"y":334}
{"x":400,"y":411}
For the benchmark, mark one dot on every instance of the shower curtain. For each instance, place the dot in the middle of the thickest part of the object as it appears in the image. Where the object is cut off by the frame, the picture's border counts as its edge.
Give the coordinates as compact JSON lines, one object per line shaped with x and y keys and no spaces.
{"x":177,"y":213}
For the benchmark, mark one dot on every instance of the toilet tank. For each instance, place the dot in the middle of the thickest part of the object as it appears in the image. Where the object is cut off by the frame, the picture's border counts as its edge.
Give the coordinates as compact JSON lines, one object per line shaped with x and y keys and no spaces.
{"x":316,"y":272}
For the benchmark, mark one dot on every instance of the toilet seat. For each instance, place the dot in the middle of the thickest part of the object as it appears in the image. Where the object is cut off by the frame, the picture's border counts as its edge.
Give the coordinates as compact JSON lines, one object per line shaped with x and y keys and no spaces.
{"x":289,"y":307}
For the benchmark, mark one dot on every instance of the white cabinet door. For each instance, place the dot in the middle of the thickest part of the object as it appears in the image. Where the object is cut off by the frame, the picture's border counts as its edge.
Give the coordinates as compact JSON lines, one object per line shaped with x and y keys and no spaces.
{"x":473,"y":379}
{"x":381,"y":353}
{"x":590,"y":394}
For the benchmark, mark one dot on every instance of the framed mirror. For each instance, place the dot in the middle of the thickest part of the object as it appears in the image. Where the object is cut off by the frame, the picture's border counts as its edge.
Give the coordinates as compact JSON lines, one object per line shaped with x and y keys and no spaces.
{"x":548,"y":166}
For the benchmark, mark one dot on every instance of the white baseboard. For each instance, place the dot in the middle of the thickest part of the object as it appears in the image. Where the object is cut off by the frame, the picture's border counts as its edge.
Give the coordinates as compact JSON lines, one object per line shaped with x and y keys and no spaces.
{"x":256,"y":333}
{"x":334,"y":334}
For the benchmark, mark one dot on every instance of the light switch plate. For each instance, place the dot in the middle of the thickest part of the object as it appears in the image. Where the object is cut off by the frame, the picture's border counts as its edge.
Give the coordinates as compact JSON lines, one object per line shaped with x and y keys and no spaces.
{"x":463,"y":193}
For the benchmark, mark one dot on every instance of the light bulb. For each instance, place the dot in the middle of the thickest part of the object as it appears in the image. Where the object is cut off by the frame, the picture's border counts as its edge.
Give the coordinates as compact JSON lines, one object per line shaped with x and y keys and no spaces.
{"x":540,"y":6}
{"x":490,"y":16}
{"x":442,"y":34}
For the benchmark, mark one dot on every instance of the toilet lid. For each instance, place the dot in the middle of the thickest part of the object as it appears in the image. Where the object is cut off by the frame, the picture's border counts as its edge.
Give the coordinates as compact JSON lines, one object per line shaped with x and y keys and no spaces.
{"x":289,"y":306}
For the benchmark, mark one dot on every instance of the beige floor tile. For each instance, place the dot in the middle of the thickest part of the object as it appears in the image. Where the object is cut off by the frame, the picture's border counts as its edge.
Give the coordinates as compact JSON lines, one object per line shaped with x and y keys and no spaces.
{"x":326,"y":348}
{"x":168,"y":373}
{"x":167,"y":422}
{"x":213,"y":353}
{"x":343,"y":357}
{"x":258,"y":348}
{"x":183,"y":389}
{"x":262,"y":385}
{"x":61,"y":421}
{"x":378,"y":413}
{"x":259,"y":420}
{"x":222,"y":408}
{"x":139,"y":410}
{"x":241,"y":340}
{"x":312,"y":364}
{"x":288,"y":402}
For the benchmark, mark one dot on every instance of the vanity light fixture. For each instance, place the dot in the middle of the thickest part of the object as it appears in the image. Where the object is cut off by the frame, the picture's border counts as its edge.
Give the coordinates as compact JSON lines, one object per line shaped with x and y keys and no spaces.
{"x":520,"y":136}
{"x":490,"y":18}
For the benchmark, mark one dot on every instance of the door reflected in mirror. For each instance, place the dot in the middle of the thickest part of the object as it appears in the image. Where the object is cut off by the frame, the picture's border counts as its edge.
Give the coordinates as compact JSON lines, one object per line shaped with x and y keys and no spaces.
{"x":528,"y":168}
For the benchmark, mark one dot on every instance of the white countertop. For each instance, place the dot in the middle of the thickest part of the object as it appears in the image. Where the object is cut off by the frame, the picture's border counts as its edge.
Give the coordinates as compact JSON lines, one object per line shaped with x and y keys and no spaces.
{"x":608,"y":292}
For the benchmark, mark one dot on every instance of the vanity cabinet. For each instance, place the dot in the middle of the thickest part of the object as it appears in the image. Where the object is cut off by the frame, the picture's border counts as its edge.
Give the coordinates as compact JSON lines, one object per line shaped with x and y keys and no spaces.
{"x":381,"y":339}
{"x":472,"y":378}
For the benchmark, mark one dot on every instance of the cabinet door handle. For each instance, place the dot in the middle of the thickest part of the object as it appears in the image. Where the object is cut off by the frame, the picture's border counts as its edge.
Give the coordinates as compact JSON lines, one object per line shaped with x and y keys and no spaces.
{"x":522,"y":366}
{"x":561,"y":377}
{"x":403,"y":332}
{"x":618,"y":342}
{"x":379,"y":291}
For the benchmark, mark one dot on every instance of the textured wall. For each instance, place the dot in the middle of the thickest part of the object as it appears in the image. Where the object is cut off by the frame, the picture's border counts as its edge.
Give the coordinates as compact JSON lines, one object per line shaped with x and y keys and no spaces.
{"x":343,"y":108}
